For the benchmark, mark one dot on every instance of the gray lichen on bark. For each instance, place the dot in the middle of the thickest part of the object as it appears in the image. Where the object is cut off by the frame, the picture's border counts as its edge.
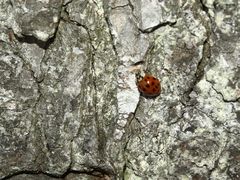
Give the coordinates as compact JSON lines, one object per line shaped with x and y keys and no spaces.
{"x":70,"y":108}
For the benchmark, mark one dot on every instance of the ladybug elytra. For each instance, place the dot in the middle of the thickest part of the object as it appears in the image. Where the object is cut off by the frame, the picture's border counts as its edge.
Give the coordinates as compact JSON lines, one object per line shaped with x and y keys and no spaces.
{"x":149,"y":86}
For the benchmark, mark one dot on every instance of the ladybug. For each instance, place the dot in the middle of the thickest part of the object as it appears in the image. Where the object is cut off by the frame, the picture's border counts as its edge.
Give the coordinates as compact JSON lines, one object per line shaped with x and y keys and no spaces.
{"x":149,"y":86}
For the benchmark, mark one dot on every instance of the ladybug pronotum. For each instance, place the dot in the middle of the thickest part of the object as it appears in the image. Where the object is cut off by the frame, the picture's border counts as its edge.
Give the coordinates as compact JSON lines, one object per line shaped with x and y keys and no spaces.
{"x":149,"y":86}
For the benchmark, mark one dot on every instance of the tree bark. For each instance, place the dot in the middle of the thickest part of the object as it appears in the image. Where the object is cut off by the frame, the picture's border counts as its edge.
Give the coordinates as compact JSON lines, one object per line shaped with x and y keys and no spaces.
{"x":70,"y":108}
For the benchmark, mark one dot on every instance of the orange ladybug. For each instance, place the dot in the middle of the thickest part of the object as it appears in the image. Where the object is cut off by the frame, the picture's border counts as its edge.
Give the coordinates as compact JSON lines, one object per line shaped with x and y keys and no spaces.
{"x":149,"y":86}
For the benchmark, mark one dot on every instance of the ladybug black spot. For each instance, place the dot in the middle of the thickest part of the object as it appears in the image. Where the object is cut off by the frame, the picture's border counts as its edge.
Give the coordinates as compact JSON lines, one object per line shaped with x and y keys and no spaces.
{"x":144,"y":89}
{"x":154,"y":78}
{"x":153,"y":83}
{"x":154,"y":90}
{"x":156,"y":87}
{"x":148,"y":86}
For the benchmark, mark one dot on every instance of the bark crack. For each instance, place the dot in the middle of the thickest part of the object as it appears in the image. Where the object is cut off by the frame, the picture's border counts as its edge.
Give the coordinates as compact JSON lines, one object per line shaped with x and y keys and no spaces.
{"x":154,"y":28}
{"x":204,"y":8}
{"x":221,"y":94}
{"x":122,"y":6}
{"x":109,"y":25}
{"x":202,"y":63}
{"x":94,"y":173}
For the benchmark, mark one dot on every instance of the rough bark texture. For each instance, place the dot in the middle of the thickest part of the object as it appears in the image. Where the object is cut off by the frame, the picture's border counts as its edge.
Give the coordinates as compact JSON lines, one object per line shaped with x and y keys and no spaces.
{"x":70,"y":109}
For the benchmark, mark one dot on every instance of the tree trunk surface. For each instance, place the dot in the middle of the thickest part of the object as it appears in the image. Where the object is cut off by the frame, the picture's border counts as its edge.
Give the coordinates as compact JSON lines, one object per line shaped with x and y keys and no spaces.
{"x":70,"y":107}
